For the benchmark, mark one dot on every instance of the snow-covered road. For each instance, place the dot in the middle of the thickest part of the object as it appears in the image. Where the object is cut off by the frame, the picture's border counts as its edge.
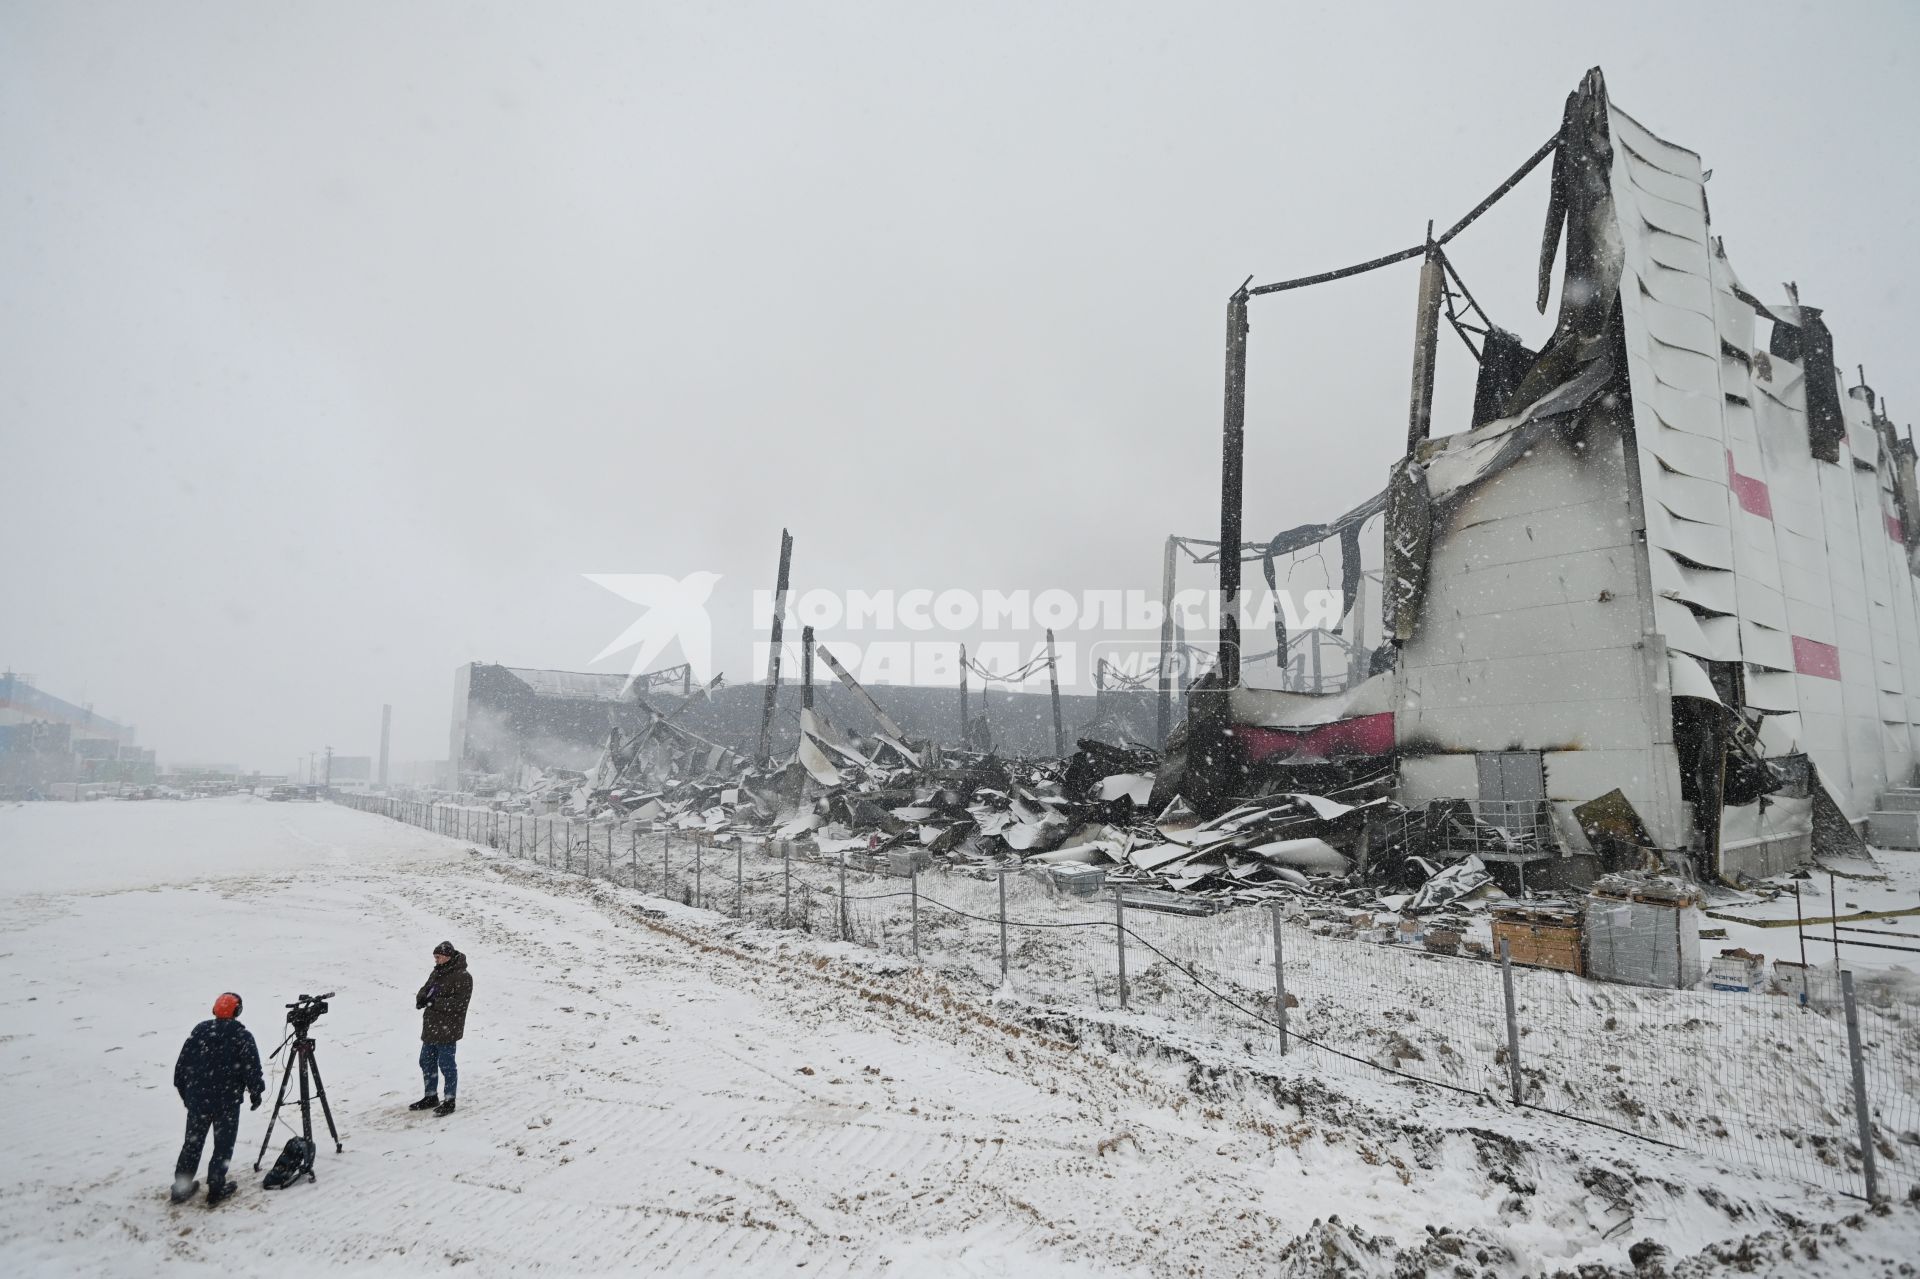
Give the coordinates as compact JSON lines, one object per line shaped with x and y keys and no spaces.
{"x":644,"y":1088}
{"x":628,"y":1098}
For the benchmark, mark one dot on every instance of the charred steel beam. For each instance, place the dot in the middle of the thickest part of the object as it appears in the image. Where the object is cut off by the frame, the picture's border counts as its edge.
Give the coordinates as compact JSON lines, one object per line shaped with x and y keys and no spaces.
{"x":806,"y":667}
{"x":1053,"y":680}
{"x":853,"y":686}
{"x":1233,"y":435}
{"x":773,"y":657}
{"x":965,"y":740}
{"x":1426,"y":347}
{"x":1417,"y":250}
{"x":1163,"y":721}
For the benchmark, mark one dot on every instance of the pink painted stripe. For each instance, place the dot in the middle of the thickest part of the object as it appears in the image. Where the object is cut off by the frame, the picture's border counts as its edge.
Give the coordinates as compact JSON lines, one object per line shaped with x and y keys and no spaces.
{"x":1811,"y":657}
{"x":1751,"y":490}
{"x":1364,"y":735}
{"x":1896,"y":530}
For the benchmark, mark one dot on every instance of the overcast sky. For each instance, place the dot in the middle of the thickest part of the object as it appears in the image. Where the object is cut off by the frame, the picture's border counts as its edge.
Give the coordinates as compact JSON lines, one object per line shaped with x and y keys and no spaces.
{"x":338,"y":341}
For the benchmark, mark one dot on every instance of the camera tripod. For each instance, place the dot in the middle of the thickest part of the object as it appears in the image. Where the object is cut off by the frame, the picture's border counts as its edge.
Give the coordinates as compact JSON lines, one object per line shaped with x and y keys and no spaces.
{"x":303,"y":1054}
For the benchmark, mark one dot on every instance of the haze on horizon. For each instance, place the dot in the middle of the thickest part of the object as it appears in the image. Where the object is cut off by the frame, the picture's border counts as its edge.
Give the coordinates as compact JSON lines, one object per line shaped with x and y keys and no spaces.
{"x":338,"y":344}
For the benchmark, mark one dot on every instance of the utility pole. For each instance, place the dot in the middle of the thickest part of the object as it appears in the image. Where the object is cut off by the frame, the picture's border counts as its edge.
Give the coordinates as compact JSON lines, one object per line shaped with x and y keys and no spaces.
{"x":328,"y":784}
{"x":773,"y":657}
{"x":963,"y":697}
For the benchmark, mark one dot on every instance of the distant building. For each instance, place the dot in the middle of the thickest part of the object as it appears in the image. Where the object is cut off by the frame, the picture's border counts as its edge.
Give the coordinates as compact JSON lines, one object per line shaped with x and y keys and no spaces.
{"x":46,"y":740}
{"x":349,"y":768}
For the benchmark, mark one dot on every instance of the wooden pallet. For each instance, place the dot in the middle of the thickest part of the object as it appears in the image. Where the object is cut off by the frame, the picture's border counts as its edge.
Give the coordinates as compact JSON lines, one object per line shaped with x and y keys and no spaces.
{"x":1541,"y":944}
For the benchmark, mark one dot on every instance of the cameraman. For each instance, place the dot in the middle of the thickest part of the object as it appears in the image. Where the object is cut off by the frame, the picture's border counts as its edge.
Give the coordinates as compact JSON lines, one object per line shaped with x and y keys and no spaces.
{"x":444,"y":998}
{"x":217,"y":1064}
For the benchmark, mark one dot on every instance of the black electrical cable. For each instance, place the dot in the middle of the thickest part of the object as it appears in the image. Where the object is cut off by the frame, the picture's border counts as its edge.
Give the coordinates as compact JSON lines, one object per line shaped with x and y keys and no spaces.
{"x":1417,"y":250}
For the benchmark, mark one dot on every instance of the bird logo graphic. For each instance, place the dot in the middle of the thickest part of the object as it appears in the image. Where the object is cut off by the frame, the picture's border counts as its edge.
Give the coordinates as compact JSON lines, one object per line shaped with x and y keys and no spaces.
{"x":676,"y":610}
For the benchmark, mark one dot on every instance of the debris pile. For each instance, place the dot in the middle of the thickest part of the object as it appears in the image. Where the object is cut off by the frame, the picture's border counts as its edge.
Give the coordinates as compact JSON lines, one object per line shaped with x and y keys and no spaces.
{"x":1087,"y":821}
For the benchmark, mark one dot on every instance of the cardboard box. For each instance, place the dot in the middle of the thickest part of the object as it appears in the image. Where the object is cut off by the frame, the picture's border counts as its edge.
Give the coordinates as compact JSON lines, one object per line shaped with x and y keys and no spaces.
{"x":1737,"y":970}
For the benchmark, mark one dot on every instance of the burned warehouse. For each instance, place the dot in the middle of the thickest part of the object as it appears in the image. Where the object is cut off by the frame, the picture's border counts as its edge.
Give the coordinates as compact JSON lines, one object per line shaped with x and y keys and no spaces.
{"x":1651,"y":612}
{"x":1657,"y":604}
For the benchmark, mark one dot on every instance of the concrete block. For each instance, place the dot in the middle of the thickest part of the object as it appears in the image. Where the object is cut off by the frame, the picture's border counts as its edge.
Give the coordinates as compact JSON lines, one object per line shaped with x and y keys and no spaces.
{"x":1894,"y":829}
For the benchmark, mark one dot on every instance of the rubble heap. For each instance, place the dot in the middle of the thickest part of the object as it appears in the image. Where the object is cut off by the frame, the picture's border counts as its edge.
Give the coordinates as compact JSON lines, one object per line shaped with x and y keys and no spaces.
{"x":1107,"y":815}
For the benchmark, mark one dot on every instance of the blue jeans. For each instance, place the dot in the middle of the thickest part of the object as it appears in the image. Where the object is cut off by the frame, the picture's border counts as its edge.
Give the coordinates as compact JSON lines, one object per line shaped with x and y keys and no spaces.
{"x":439,"y":1057}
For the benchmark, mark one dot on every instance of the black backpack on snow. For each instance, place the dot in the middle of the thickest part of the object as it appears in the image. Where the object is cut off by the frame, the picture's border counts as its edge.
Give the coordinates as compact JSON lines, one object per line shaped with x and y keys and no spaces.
{"x":295,"y":1162}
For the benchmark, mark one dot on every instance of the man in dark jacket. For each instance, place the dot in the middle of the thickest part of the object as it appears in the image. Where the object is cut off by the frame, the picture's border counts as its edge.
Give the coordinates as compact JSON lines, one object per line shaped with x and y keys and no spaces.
{"x":444,"y":998}
{"x":217,"y":1064}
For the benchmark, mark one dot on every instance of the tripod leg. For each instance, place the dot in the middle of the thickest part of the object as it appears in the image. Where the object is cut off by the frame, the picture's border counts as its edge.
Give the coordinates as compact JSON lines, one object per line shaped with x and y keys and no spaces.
{"x":286,"y":1077}
{"x":306,"y":1095}
{"x":306,"y":1102}
{"x":320,"y":1091}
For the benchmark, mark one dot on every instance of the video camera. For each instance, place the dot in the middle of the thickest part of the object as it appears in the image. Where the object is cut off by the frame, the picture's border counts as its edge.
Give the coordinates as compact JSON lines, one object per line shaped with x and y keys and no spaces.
{"x":306,"y":1010}
{"x":297,"y":1159}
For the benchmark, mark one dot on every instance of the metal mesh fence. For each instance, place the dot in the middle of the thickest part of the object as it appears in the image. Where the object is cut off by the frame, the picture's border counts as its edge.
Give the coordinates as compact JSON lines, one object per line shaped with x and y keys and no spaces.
{"x":1764,"y":1081}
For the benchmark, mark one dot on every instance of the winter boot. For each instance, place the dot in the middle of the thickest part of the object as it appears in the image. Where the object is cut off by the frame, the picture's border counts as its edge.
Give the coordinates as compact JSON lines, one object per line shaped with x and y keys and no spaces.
{"x":427,"y":1102}
{"x":221,"y":1191}
{"x":444,"y":1108}
{"x":184,"y":1189}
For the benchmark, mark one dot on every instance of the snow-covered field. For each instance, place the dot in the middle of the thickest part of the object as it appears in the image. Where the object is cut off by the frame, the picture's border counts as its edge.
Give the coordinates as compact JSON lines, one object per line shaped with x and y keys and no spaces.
{"x":651,"y":1088}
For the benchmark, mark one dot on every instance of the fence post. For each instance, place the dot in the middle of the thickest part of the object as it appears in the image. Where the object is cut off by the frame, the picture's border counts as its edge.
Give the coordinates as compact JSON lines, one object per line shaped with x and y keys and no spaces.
{"x":843,"y":895}
{"x":569,"y":845}
{"x":1833,"y":916}
{"x":698,"y":858}
{"x":1120,"y":939}
{"x":739,"y":879}
{"x":1003,"y":925}
{"x":1513,"y":1020}
{"x":1279,"y":977}
{"x":633,"y":853}
{"x":913,"y":878}
{"x":666,"y":846}
{"x":1859,"y":1065}
{"x":786,"y":883}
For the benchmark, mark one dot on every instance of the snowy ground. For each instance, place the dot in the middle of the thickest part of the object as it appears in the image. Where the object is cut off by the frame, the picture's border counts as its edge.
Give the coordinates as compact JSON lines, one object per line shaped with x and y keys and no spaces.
{"x":648,"y":1087}
{"x":1763,"y":922}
